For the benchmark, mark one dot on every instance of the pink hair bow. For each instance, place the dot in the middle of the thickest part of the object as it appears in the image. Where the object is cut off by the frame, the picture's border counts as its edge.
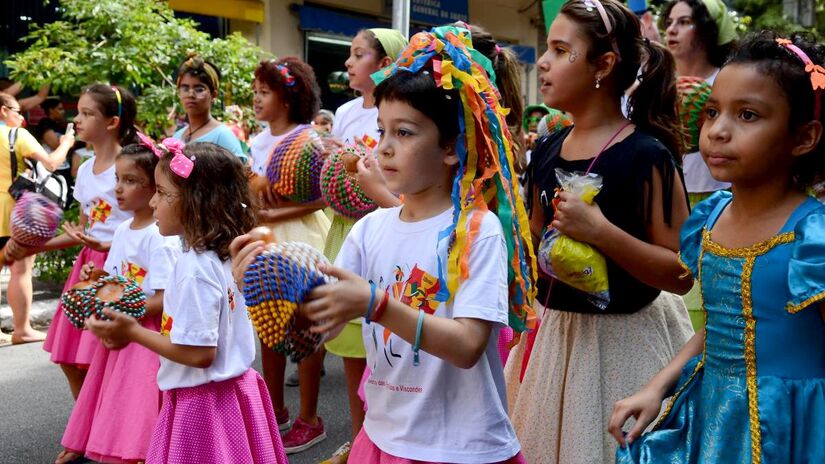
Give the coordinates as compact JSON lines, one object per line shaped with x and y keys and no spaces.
{"x":150,"y":144}
{"x":180,"y":164}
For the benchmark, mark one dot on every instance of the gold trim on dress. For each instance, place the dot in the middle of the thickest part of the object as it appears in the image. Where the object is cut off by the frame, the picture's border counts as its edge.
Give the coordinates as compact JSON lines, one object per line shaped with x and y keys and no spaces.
{"x":688,"y":272}
{"x":744,"y":252}
{"x":793,"y":309}
{"x":750,"y":361}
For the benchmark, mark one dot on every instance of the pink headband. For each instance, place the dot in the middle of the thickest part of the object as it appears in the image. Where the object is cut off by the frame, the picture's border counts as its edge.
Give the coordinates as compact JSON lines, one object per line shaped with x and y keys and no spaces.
{"x":608,"y":26}
{"x":816,"y":71}
{"x":180,"y":164}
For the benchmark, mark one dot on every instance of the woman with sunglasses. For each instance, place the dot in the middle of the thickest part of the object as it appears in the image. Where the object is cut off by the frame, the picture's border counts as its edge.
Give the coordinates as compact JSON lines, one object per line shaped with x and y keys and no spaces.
{"x":25,"y":146}
{"x":198,"y":83}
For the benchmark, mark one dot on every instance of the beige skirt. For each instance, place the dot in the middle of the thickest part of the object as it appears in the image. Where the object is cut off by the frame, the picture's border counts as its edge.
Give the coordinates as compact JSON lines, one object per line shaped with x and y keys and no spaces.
{"x":580,"y":365}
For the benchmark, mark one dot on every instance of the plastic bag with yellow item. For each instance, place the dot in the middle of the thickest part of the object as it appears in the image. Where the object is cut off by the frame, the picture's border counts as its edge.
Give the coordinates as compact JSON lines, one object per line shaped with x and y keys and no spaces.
{"x":575,"y":263}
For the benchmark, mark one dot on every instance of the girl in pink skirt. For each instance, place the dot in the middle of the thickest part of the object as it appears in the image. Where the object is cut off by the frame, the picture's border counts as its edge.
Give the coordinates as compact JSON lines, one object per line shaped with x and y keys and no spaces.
{"x":123,"y":383}
{"x":105,"y":119}
{"x":216,"y":408}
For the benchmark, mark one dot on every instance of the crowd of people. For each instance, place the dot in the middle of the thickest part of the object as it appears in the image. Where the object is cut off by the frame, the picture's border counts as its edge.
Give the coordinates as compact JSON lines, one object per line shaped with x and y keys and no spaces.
{"x":461,"y":343}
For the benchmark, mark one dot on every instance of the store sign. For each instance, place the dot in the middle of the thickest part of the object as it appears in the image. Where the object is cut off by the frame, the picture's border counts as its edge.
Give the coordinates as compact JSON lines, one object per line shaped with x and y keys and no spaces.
{"x":437,"y":12}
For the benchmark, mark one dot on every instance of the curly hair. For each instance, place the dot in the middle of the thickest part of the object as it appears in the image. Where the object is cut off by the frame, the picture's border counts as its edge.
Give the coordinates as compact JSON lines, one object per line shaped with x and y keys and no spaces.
{"x":788,"y":71}
{"x":215,"y":204}
{"x":114,"y":100}
{"x":707,"y":31}
{"x":302,"y":96}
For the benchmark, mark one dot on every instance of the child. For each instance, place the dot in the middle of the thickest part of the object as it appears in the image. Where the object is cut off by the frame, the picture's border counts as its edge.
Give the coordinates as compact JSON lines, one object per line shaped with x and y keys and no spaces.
{"x":123,"y":383}
{"x":215,"y":406}
{"x":357,"y":122}
{"x":198,"y":84}
{"x":105,"y":119}
{"x":750,"y":387}
{"x":585,"y":358}
{"x":286,"y":96}
{"x":323,"y":122}
{"x":433,"y":273}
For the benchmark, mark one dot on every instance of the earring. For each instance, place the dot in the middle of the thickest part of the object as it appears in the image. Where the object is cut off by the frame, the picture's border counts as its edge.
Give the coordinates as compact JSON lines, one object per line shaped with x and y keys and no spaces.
{"x":598,"y":82}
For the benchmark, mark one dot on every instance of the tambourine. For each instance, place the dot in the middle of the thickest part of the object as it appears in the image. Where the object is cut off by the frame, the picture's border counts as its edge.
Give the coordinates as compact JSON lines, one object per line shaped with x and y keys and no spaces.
{"x":339,"y":185}
{"x":102,"y":291}
{"x":294,"y":168}
{"x":275,"y":284}
{"x":34,"y":221}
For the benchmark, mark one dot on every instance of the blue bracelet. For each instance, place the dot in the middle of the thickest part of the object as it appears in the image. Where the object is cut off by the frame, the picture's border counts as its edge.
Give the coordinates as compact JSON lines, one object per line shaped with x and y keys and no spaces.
{"x":417,"y":344}
{"x":372,"y":300}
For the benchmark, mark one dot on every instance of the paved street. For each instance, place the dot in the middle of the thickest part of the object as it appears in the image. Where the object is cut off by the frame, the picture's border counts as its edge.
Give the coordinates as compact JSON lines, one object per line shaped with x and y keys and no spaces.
{"x":35,"y":404}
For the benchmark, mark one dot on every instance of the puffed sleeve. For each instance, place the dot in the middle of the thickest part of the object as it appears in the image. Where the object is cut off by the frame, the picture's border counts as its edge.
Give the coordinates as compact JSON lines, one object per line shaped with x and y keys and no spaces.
{"x":806,"y":269}
{"x":690,"y":237}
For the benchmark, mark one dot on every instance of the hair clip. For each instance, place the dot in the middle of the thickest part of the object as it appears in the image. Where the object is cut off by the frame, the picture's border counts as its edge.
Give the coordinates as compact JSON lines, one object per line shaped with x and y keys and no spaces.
{"x":498,"y":49}
{"x":180,"y":164}
{"x":289,"y":79}
{"x":816,"y":71}
{"x":150,"y":144}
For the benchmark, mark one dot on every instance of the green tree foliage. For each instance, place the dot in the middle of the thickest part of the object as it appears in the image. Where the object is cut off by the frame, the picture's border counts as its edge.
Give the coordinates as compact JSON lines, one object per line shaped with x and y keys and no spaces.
{"x":767,"y":14}
{"x":134,"y":43}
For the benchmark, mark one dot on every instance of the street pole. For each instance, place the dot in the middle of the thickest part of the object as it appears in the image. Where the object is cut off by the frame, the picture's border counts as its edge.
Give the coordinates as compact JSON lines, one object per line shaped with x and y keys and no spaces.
{"x":401,"y":16}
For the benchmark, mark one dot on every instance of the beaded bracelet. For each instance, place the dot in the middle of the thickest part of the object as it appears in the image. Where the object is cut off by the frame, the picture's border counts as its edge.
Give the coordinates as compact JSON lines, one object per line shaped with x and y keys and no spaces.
{"x":417,"y":345}
{"x":379,"y":310}
{"x":372,"y":301}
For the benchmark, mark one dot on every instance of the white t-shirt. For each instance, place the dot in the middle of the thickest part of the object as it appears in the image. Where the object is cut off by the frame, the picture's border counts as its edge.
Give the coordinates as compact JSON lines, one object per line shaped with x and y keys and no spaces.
{"x":143,"y":255}
{"x":96,"y":195}
{"x":353,"y":120}
{"x":434,"y":411}
{"x":203,"y":307}
{"x":697,"y":174}
{"x":260,"y":148}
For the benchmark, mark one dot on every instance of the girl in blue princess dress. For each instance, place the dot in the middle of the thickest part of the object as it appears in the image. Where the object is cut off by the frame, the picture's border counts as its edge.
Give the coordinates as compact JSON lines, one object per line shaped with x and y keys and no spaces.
{"x":750,"y":387}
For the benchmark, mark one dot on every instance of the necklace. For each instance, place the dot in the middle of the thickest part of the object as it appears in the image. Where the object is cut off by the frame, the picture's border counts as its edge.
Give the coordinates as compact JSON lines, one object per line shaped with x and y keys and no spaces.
{"x":187,"y":138}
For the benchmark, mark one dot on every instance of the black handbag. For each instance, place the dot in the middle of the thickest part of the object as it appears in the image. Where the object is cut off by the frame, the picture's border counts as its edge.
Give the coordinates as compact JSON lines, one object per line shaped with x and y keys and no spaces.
{"x":52,"y":186}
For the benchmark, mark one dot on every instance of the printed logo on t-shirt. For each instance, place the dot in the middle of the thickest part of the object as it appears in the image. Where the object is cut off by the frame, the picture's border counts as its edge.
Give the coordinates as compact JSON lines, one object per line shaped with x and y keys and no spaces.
{"x":132,"y":271}
{"x":230,"y":295}
{"x":417,"y":291}
{"x":165,"y":324}
{"x":100,"y":213}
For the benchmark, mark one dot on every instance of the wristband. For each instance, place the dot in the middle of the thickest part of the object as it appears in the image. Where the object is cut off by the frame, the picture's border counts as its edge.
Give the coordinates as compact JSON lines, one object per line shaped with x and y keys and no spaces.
{"x":372,"y":301}
{"x":379,"y":310}
{"x":417,"y":344}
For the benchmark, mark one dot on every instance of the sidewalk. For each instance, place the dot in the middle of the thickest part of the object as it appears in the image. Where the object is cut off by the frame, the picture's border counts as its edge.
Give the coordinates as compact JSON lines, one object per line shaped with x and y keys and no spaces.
{"x":44,"y":303}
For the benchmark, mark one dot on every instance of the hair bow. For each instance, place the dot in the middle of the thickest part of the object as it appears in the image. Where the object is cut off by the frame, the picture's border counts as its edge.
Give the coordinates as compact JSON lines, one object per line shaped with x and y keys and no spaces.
{"x":180,"y":164}
{"x":289,"y":79}
{"x":149,"y":143}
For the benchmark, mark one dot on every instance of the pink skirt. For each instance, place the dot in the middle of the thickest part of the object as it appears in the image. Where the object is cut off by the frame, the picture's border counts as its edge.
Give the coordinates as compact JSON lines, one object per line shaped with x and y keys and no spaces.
{"x":230,"y":421}
{"x":364,"y":451}
{"x":67,"y":344}
{"x":118,"y":406}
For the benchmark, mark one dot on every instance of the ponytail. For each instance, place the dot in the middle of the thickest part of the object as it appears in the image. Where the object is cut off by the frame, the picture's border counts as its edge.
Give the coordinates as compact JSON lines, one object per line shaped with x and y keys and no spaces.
{"x":653,"y":105}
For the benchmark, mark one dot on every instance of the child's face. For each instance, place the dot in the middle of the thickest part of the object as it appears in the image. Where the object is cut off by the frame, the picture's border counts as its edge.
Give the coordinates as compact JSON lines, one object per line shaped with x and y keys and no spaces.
{"x":90,"y":123}
{"x":266,"y":103}
{"x":322,"y":124}
{"x":194,"y":94}
{"x":134,"y":189}
{"x":166,"y":204}
{"x":745,"y":138}
{"x":564,"y":72}
{"x":362,"y":61}
{"x":409,"y":153}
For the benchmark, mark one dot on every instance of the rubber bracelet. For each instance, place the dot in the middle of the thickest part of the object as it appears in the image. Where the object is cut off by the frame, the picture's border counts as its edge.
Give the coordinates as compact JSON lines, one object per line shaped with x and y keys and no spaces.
{"x":417,"y":344}
{"x":379,"y":310}
{"x":372,"y":301}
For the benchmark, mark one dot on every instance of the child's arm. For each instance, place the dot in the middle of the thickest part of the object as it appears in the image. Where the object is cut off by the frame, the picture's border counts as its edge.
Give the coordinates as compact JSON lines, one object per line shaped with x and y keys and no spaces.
{"x":654,"y":263}
{"x":154,"y":304}
{"x":646,"y":403}
{"x":459,"y":341}
{"x":65,"y":240}
{"x":372,"y":182}
{"x":122,"y":329}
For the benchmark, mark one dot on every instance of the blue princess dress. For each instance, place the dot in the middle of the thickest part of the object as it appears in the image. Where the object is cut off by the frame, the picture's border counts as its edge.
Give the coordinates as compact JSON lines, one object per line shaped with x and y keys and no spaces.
{"x":756,"y":394}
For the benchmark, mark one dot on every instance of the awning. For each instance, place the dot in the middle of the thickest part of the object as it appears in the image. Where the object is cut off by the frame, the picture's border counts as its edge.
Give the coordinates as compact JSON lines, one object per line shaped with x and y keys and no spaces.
{"x":319,"y":19}
{"x":246,"y":10}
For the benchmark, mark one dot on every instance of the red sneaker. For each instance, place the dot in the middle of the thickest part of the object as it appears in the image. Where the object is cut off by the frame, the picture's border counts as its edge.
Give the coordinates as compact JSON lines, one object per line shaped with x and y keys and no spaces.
{"x":282,"y":417}
{"x":303,"y":436}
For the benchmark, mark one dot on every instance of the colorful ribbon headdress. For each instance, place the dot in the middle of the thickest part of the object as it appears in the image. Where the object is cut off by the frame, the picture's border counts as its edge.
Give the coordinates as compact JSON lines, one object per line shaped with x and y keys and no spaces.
{"x":485,"y":178}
